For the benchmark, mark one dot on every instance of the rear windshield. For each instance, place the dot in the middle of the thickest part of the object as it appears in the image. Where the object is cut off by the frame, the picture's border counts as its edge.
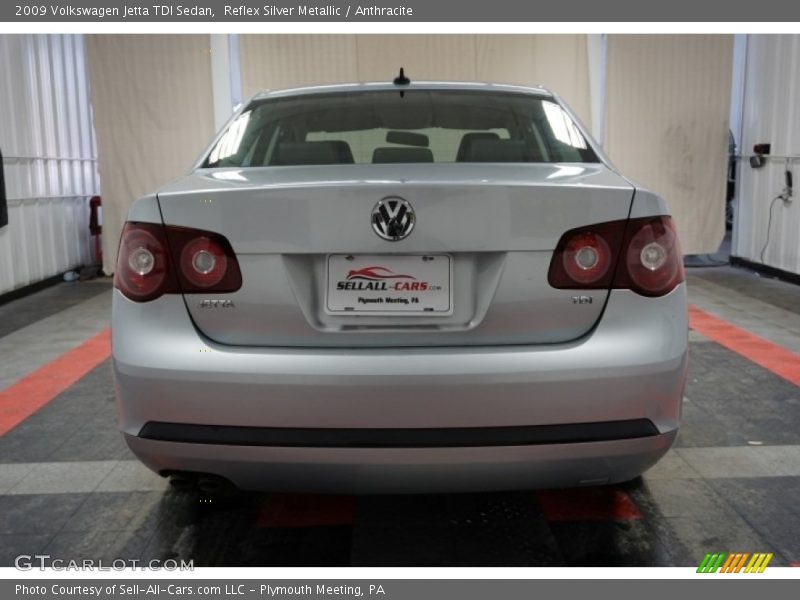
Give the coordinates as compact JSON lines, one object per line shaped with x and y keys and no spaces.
{"x":417,"y":126}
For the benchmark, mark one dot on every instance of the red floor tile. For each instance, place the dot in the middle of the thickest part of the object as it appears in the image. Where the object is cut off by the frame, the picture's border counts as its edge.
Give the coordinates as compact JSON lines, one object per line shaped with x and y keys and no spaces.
{"x":23,"y":398}
{"x":588,"y":504}
{"x":300,"y":510}
{"x":774,"y":358}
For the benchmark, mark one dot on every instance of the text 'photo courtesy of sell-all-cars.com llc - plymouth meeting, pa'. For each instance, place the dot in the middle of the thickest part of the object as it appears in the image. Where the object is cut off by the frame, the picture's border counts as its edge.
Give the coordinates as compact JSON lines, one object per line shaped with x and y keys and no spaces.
{"x":400,"y":287}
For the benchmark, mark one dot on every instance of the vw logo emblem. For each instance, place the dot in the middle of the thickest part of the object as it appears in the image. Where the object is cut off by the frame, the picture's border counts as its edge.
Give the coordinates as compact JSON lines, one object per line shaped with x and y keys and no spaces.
{"x":393,"y":218}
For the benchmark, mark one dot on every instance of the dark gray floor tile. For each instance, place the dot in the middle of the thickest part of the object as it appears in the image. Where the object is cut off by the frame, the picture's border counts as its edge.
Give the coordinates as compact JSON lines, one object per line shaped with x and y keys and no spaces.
{"x":734,"y":401}
{"x":104,"y":444}
{"x":279,"y":547}
{"x":658,"y":499}
{"x":25,"y":311}
{"x":32,"y":442}
{"x":41,"y":513}
{"x":763,"y":497}
{"x":105,"y":546}
{"x":382,"y":544}
{"x":610,"y":544}
{"x":458,"y":530}
{"x":13,"y":545}
{"x":780,"y":532}
{"x":116,"y":511}
{"x":751,"y":284}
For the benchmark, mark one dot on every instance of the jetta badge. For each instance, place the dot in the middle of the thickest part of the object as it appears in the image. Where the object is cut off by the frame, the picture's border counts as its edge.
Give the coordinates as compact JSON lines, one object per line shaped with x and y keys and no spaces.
{"x":393,"y":218}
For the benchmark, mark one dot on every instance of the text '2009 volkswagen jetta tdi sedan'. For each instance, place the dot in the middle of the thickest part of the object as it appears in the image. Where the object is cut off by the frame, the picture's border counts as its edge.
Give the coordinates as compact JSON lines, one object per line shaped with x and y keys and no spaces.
{"x":401,"y":287}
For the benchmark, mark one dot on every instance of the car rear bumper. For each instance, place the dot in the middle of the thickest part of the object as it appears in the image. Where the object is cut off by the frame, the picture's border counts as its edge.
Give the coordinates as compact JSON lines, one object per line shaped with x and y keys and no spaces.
{"x":409,"y":470}
{"x":632,"y":367}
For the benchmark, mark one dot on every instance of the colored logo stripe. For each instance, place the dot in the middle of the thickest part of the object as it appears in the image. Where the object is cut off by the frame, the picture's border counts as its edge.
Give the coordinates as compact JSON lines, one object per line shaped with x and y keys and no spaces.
{"x":734,"y":562}
{"x":758,"y":563}
{"x":711,"y":562}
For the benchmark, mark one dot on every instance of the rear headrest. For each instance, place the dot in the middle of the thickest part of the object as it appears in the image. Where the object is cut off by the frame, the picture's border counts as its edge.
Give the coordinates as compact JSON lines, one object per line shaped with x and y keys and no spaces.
{"x":402,"y":155}
{"x":496,"y":151}
{"x":313,"y":153}
{"x":471,"y":138}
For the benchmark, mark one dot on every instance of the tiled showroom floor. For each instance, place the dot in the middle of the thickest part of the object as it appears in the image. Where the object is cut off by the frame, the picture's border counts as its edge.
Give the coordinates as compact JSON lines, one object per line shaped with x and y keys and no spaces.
{"x":70,"y":488}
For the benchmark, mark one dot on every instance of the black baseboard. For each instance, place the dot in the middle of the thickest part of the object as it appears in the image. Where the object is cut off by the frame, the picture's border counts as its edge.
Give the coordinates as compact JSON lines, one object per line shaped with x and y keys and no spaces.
{"x":794,"y":278}
{"x":30,"y":289}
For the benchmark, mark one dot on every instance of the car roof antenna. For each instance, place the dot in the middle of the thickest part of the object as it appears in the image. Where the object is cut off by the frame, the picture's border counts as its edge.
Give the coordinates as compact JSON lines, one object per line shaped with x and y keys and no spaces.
{"x":401,"y":80}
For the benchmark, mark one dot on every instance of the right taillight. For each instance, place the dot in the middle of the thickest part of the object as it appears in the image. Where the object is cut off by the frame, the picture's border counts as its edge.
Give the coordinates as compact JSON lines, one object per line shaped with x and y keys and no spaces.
{"x":640,"y":254}
{"x":205,"y":260}
{"x":154,"y":260}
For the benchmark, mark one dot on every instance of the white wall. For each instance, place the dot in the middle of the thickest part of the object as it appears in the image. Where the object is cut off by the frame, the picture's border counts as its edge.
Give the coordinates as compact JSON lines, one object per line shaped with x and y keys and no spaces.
{"x":49,"y":155}
{"x":158,"y":98}
{"x":771,"y":114}
{"x":153,"y":112}
{"x":661,"y":102}
{"x":667,"y":110}
{"x":556,"y":61}
{"x":666,"y":102}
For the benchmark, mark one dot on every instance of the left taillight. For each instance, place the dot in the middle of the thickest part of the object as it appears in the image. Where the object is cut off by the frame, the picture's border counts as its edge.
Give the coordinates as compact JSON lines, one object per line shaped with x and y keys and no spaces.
{"x":144,"y":270}
{"x":154,"y":260}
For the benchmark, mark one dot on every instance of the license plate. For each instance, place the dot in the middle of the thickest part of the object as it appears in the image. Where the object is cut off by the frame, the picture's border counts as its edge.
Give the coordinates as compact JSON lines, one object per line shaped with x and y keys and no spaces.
{"x":389,"y":285}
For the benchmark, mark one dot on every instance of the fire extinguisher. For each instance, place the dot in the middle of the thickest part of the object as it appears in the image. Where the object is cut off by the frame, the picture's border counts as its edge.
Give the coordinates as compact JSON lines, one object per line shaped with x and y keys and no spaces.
{"x":96,"y":226}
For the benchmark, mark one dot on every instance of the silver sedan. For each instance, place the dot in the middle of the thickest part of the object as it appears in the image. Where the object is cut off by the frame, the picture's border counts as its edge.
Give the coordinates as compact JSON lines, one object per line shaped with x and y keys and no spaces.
{"x":400,"y":287}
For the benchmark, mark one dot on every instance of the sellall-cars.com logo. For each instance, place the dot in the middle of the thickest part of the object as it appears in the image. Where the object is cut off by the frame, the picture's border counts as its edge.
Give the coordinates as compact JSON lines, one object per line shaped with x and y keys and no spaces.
{"x":381,"y":279}
{"x":735,"y":562}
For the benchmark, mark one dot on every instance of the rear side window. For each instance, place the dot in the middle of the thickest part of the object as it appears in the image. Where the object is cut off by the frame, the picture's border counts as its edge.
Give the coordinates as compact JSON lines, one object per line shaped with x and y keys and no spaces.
{"x":417,"y":126}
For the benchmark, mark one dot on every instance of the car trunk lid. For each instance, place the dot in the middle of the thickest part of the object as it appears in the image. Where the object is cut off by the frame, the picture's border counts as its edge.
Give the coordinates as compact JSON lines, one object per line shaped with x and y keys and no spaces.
{"x":298,"y":232}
